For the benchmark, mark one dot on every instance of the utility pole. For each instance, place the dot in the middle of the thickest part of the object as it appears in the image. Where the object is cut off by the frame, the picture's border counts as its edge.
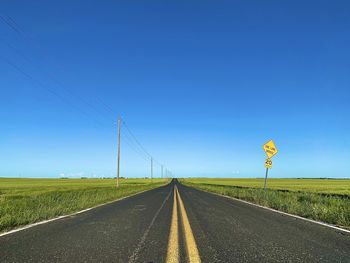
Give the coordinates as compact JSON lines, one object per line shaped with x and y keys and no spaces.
{"x":118,"y":158}
{"x":151,"y":168}
{"x":162,"y":171}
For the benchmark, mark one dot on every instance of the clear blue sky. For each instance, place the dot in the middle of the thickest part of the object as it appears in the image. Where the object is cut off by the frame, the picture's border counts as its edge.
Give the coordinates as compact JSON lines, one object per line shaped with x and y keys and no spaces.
{"x":202,"y":84}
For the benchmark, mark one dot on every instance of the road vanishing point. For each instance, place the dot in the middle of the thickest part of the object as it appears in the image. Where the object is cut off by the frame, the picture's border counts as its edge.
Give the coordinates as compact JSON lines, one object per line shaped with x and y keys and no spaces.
{"x":176,"y":223}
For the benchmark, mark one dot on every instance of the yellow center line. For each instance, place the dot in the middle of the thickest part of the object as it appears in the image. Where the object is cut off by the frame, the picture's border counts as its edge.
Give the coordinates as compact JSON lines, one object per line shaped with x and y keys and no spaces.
{"x":173,"y":243}
{"x":191,"y":246}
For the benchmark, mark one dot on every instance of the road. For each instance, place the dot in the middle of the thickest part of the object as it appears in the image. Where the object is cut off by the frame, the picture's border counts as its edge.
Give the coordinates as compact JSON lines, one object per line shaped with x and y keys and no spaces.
{"x":193,"y":227}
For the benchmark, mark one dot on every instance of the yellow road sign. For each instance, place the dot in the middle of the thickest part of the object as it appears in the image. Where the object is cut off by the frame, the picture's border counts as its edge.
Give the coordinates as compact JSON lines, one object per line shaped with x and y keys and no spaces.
{"x":268,"y":163}
{"x":270,"y":148}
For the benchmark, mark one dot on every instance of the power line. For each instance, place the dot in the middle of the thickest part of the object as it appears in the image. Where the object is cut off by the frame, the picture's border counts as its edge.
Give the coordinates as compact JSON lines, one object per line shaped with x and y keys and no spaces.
{"x":15,"y":27}
{"x":131,"y":133}
{"x":140,"y":145}
{"x":11,"y":25}
{"x":41,"y":85}
{"x":57,"y":83}
{"x":131,"y":140}
{"x":127,"y":141}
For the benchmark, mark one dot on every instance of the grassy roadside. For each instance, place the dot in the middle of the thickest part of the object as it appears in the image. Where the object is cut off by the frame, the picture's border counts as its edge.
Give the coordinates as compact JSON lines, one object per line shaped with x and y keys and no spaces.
{"x":25,"y":201}
{"x":339,"y":187}
{"x":318,"y":206}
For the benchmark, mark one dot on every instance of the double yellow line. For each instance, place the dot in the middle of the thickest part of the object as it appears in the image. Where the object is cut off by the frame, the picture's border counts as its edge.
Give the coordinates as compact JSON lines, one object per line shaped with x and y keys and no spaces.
{"x":173,"y":255}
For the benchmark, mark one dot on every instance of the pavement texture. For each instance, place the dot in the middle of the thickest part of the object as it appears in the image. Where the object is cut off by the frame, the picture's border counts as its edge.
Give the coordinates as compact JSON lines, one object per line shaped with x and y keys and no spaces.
{"x":137,"y":229}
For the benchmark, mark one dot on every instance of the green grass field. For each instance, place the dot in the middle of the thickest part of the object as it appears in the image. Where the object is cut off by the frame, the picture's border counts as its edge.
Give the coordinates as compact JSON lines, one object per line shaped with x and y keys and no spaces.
{"x":327,"y":186}
{"x":319,"y":199}
{"x":25,"y":201}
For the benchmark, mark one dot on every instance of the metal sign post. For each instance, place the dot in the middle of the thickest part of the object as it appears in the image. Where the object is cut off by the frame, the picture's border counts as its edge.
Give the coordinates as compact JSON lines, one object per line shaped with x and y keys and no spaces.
{"x":118,"y":157}
{"x":267,"y":171}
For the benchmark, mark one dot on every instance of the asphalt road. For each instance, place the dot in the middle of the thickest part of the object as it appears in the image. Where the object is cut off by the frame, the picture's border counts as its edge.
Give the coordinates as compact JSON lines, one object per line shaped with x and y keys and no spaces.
{"x":192,"y":227}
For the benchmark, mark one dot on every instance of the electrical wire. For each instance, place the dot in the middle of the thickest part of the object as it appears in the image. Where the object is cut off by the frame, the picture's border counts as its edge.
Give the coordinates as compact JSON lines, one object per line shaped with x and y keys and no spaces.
{"x":131,"y":140}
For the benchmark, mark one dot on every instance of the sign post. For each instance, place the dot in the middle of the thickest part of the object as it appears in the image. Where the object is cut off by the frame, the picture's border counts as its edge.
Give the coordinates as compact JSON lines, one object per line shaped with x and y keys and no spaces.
{"x":267,"y":171}
{"x":270,"y":150}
